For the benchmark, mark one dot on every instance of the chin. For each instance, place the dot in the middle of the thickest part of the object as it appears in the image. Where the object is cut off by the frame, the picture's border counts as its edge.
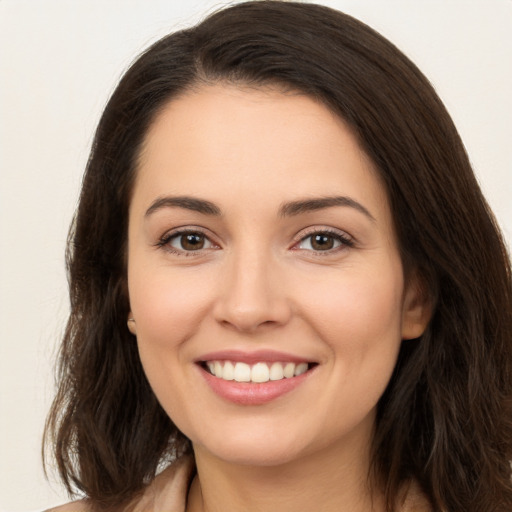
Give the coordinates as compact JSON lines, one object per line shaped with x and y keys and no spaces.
{"x":248,"y":454}
{"x":253,"y":448}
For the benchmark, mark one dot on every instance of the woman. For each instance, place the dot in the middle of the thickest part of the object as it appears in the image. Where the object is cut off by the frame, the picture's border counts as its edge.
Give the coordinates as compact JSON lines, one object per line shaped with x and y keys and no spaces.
{"x":286,"y":286}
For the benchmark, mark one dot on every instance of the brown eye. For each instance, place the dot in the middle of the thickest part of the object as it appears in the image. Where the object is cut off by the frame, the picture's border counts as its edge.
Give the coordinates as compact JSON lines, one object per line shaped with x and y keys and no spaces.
{"x":192,"y":241}
{"x":323,"y":241}
{"x":189,"y":241}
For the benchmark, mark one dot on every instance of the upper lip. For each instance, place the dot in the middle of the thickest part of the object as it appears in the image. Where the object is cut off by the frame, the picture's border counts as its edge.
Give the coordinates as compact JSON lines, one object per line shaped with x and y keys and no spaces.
{"x":252,"y":357}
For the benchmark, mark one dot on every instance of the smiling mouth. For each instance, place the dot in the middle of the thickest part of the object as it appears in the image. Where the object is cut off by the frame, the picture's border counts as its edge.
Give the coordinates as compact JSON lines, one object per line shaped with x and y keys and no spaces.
{"x":259,"y":372}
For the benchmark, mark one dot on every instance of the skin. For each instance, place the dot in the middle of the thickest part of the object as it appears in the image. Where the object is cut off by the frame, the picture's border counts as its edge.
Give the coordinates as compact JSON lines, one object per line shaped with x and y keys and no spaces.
{"x":258,"y":283}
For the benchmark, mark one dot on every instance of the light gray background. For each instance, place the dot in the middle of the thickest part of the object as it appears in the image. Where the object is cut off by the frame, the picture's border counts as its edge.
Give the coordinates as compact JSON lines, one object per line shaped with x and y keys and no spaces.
{"x":59,"y":60}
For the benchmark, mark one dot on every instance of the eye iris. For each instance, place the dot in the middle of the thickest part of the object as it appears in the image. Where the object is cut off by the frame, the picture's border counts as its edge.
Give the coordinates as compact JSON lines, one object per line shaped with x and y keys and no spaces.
{"x":192,"y":241}
{"x":322,"y":242}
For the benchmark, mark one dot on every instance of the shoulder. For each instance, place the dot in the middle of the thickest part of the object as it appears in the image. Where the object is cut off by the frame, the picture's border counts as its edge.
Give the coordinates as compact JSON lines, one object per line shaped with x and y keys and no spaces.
{"x":168,"y":491}
{"x":74,"y":506}
{"x":414,"y":500}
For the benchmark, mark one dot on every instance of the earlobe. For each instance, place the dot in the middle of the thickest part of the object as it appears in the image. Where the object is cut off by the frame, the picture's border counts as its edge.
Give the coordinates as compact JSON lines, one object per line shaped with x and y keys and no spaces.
{"x":417,"y":309}
{"x":132,"y":327}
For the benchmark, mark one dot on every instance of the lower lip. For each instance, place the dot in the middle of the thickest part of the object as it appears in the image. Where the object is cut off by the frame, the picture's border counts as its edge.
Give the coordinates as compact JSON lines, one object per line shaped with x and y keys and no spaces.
{"x":251,"y":393}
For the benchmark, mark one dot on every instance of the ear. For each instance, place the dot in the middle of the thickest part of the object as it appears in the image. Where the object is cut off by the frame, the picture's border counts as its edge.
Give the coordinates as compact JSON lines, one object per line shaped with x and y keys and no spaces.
{"x":417,"y":308}
{"x":132,"y":326}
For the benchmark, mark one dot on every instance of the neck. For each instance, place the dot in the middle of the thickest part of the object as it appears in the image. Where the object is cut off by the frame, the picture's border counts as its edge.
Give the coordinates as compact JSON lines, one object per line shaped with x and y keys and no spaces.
{"x":335,"y":479}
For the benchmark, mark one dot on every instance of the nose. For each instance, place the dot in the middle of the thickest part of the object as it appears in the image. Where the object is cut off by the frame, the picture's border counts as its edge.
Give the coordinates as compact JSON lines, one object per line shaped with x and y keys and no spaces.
{"x":251,"y":294}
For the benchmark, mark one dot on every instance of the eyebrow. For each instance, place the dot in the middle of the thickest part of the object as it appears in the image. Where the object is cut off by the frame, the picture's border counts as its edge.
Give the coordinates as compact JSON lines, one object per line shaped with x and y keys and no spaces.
{"x":309,"y":205}
{"x":289,"y":209}
{"x":186,"y":202}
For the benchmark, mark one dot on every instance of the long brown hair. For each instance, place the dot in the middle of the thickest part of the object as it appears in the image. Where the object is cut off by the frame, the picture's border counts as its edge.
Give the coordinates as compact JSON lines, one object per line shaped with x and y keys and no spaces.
{"x":445,"y":418}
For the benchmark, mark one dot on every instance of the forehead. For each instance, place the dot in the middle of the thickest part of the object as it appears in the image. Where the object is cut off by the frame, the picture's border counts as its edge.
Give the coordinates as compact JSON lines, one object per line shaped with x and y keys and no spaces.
{"x":258,"y":141}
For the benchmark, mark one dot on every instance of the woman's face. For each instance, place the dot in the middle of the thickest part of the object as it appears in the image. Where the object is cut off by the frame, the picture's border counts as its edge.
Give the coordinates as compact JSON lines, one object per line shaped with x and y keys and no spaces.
{"x":262,"y":249}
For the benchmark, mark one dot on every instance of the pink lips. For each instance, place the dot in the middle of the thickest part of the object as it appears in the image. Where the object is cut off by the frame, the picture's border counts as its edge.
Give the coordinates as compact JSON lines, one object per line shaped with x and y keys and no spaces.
{"x":250,"y":393}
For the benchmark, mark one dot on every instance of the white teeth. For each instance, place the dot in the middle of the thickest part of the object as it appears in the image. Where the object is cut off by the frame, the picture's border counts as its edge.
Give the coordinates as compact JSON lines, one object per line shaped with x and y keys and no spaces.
{"x":289,"y":370}
{"x":301,"y":368}
{"x":259,"y":372}
{"x":228,"y":372}
{"x":218,"y":369}
{"x":276,"y":371}
{"x":242,"y":372}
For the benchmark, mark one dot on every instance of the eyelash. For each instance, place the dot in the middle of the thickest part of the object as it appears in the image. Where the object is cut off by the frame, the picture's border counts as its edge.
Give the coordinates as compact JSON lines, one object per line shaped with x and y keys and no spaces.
{"x":165,"y":241}
{"x":343,"y":239}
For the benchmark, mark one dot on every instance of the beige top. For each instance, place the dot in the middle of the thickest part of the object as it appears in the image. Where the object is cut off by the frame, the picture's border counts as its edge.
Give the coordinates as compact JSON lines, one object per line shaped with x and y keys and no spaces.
{"x":175,"y":481}
{"x":171,"y":488}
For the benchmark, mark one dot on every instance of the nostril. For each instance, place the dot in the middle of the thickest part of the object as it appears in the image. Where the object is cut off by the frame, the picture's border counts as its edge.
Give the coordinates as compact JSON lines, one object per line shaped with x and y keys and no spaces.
{"x":247,"y":324}
{"x":250,"y":301}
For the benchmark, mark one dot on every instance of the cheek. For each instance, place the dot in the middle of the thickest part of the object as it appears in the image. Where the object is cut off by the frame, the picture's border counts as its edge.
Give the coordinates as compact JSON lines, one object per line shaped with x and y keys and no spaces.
{"x":360,"y":321}
{"x":359,"y":310}
{"x":168,"y":309}
{"x":167,"y":305}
